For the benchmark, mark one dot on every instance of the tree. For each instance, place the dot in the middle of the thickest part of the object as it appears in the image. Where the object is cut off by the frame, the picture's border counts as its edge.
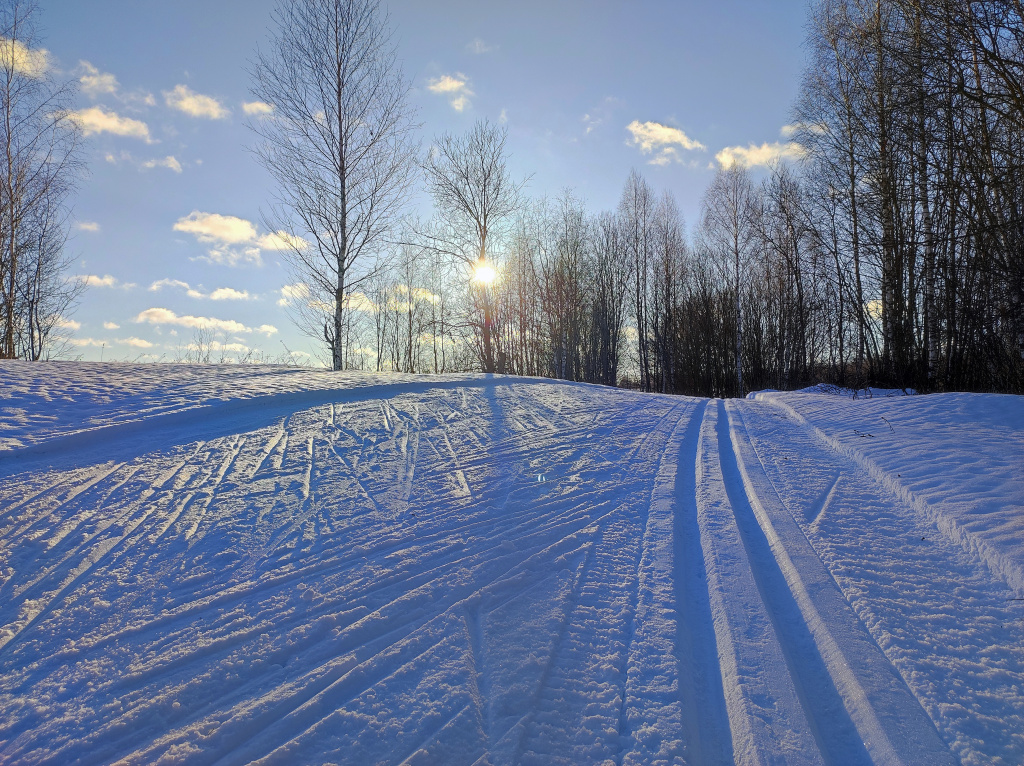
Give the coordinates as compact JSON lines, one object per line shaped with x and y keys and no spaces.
{"x":474,"y":198}
{"x":339,"y":144}
{"x":39,"y":166}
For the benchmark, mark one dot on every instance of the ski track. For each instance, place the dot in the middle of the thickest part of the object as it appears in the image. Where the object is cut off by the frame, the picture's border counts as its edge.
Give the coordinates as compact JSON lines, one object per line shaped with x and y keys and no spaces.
{"x":481,"y":572}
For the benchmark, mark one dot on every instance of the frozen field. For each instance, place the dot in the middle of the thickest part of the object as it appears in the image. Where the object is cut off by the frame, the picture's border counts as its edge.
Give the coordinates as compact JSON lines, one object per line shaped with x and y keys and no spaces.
{"x":236,"y":564}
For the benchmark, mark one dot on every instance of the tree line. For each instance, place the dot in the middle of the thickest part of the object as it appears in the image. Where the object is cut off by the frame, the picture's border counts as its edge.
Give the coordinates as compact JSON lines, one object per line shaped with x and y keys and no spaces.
{"x":889,"y":254}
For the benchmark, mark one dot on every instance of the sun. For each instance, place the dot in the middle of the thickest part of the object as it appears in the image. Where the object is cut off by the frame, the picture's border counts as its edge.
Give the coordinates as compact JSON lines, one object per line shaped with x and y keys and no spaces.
{"x":484,"y":272}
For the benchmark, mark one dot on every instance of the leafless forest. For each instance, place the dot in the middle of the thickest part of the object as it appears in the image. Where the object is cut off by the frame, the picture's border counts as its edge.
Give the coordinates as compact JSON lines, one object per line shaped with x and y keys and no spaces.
{"x":890,"y":254}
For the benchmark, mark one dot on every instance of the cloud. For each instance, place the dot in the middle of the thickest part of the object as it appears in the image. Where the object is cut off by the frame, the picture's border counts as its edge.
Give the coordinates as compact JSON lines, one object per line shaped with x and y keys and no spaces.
{"x":235,"y":240}
{"x":90,"y":226}
{"x":257,"y":108}
{"x":91,"y":280}
{"x":111,"y":326}
{"x":195,"y":104}
{"x":281,"y":240}
{"x":753,"y":156}
{"x":168,"y":162}
{"x":220,"y":294}
{"x":788,"y":131}
{"x":229,"y":294}
{"x":663,"y":141}
{"x":67,"y":324}
{"x":216,"y":228}
{"x":15,"y":55}
{"x":455,"y":87}
{"x":94,"y":82}
{"x":292,"y":293}
{"x":96,"y":119}
{"x":267,"y":329}
{"x":359,"y":302}
{"x":476,"y":45}
{"x":162,"y":316}
{"x":135,"y":342}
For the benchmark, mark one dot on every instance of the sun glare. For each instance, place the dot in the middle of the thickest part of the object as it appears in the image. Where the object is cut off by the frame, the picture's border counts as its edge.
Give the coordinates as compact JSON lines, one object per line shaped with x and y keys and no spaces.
{"x":484,"y":273}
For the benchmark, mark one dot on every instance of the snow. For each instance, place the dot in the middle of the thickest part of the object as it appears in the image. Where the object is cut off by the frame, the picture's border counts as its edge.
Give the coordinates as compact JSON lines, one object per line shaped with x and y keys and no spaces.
{"x":234,"y":564}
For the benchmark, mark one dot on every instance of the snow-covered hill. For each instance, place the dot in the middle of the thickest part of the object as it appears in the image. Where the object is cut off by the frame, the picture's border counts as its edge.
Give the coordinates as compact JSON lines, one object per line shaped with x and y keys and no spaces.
{"x":236,"y":564}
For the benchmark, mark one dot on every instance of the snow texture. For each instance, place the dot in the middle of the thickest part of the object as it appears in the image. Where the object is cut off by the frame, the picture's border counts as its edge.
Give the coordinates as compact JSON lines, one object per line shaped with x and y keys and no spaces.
{"x":231,"y":564}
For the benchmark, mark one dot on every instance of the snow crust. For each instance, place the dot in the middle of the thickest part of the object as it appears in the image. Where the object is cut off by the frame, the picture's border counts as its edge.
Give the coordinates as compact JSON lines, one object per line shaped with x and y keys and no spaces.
{"x":257,"y":564}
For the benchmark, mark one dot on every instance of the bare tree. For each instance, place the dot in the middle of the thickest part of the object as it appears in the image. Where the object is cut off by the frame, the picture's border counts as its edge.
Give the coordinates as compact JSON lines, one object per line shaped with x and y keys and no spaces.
{"x":339,"y":143}
{"x":474,"y":198}
{"x":38,"y":170}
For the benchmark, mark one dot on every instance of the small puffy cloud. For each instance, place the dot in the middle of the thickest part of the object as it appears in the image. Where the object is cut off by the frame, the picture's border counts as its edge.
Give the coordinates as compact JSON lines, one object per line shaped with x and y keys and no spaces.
{"x":455,"y":87}
{"x":168,"y":162}
{"x":229,"y":294}
{"x":663,"y":141}
{"x":217,"y":228}
{"x":257,"y":108}
{"x":92,"y":280}
{"x":62,"y":323}
{"x":220,"y":294}
{"x":476,"y":45}
{"x":788,"y":131}
{"x":359,"y":302}
{"x":90,"y":226}
{"x":94,"y":82}
{"x":763,"y":155}
{"x":96,"y":119}
{"x":111,"y":326}
{"x":281,"y":240}
{"x":267,"y":329}
{"x":195,"y":104}
{"x":134,"y":342}
{"x":16,"y":56}
{"x":162,"y":316}
{"x":293,"y":293}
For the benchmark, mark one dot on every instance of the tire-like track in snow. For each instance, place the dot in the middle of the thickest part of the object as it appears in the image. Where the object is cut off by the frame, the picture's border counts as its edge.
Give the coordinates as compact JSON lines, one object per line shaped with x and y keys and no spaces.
{"x":479,"y":572}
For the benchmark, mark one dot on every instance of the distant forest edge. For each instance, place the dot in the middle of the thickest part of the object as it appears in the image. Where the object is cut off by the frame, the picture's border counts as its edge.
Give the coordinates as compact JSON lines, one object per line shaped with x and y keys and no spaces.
{"x":888,"y":250}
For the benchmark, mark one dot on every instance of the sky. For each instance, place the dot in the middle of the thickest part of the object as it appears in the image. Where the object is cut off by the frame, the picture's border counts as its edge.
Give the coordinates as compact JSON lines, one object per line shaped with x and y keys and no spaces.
{"x":166,"y":222}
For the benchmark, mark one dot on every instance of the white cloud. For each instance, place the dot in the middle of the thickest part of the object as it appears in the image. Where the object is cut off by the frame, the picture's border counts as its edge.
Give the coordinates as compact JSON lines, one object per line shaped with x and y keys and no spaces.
{"x":168,"y":162}
{"x":257,"y":108}
{"x":788,"y":131}
{"x":663,"y":141}
{"x":195,"y":104}
{"x":281,"y":240}
{"x":67,"y":324}
{"x":503,"y":117}
{"x":360,"y":302}
{"x":477,"y":45}
{"x":16,"y":56}
{"x":267,"y":329}
{"x":90,"y":226}
{"x":753,"y":156}
{"x":134,"y":342}
{"x":292,"y":293}
{"x":92,"y":280}
{"x":229,"y":294}
{"x":94,"y":82}
{"x":220,"y":294}
{"x":162,"y":316}
{"x":96,"y":119}
{"x":234,"y":240}
{"x":455,"y":87}
{"x":111,"y":326}
{"x":216,"y":228}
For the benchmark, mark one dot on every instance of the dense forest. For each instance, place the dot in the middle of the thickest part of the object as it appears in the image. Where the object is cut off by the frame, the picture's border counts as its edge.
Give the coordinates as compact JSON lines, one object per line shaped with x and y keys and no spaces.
{"x":889,"y":254}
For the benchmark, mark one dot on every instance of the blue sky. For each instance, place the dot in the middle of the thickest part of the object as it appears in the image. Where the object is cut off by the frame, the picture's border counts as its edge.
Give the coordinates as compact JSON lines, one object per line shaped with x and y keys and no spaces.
{"x":166,"y":223}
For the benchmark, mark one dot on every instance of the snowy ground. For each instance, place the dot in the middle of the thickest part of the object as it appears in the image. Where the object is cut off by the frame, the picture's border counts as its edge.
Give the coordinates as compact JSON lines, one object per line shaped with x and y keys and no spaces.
{"x":236,"y":564}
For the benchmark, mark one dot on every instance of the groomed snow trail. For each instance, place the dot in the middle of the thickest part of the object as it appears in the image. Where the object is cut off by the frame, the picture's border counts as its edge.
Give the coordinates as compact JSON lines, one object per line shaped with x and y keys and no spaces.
{"x":476,"y":570}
